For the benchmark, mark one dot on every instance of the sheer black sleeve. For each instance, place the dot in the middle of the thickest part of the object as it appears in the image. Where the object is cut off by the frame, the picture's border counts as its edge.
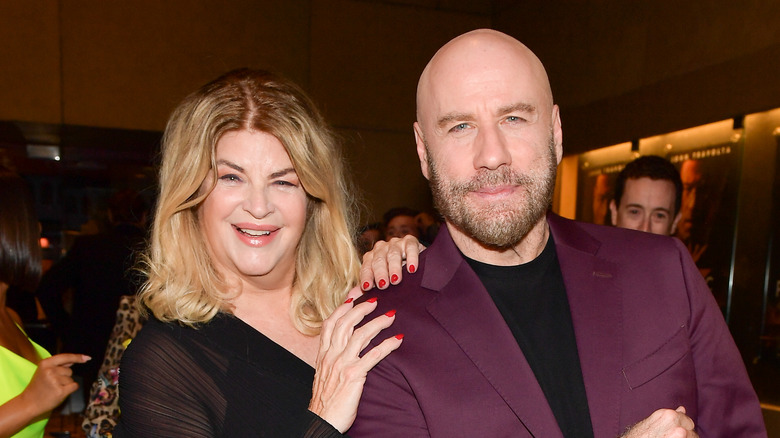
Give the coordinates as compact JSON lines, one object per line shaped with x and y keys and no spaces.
{"x":161,"y":389}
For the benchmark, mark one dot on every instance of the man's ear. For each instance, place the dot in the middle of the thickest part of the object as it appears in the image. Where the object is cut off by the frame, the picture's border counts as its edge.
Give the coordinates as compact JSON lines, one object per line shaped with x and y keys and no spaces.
{"x":557,"y":133}
{"x":677,"y":218}
{"x":422,"y":151}
{"x":614,"y":211}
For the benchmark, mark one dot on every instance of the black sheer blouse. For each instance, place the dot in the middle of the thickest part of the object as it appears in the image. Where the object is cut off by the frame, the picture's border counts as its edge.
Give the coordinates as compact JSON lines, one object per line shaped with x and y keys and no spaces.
{"x":224,"y":379}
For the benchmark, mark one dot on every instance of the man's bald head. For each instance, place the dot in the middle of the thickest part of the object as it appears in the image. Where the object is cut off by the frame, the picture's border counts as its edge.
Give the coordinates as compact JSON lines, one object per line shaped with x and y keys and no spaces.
{"x":479,"y":53}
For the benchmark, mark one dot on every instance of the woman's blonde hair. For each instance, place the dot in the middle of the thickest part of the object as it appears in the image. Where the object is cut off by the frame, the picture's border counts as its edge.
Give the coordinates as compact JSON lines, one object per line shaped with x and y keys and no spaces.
{"x":183,"y":284}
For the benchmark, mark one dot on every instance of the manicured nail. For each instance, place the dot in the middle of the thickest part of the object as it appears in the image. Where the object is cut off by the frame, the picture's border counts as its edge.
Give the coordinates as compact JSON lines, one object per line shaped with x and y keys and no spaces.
{"x":371,"y":300}
{"x":366,"y":285}
{"x":349,"y":300}
{"x":399,"y":336}
{"x":382,"y":283}
{"x":394,"y":278}
{"x":412,"y":269}
{"x":390,"y":314}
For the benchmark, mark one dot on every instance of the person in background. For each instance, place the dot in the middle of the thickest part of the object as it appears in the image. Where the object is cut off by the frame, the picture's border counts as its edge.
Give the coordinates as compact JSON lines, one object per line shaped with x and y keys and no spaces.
{"x":99,"y":270}
{"x":401,"y":221}
{"x":647,"y":196}
{"x":429,"y":225}
{"x":32,"y":382}
{"x":368,"y":236}
{"x":251,"y":249}
{"x":521,"y":323}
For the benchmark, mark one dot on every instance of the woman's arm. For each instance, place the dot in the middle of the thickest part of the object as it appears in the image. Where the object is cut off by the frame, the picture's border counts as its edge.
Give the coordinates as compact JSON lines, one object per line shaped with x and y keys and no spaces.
{"x":159,"y":383}
{"x":50,"y":385}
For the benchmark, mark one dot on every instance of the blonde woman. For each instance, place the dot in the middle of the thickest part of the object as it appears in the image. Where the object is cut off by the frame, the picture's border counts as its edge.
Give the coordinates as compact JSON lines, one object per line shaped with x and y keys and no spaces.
{"x":251,"y":250}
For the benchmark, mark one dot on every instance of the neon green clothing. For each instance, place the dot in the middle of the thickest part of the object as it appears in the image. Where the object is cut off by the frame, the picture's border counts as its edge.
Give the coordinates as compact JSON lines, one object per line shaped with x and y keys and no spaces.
{"x":15,"y":373}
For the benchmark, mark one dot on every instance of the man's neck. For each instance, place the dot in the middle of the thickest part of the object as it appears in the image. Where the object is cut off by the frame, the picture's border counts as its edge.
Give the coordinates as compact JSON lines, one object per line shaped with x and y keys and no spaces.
{"x":527,"y":249}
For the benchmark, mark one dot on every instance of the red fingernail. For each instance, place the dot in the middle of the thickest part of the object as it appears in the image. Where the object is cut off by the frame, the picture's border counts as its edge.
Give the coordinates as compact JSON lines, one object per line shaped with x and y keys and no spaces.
{"x":412,"y":269}
{"x":349,"y":300}
{"x":390,"y":314}
{"x":371,"y":300}
{"x":382,"y":283}
{"x":394,"y":278}
{"x":399,"y":336}
{"x":366,"y":285}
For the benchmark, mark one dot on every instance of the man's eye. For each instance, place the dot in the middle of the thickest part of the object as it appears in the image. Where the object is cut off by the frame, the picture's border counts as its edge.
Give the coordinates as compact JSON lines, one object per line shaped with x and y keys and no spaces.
{"x":459,"y":127}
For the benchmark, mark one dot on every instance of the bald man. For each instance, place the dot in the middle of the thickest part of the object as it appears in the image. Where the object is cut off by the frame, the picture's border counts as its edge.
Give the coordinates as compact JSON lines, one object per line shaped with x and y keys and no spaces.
{"x":519,"y":323}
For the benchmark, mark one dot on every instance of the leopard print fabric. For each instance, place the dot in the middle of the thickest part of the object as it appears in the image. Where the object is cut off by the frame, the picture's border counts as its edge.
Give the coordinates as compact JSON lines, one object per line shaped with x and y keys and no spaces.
{"x":102,"y":412}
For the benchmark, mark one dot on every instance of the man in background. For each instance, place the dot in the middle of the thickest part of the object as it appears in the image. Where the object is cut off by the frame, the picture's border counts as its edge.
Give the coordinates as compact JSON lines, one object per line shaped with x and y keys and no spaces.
{"x":647,"y":196}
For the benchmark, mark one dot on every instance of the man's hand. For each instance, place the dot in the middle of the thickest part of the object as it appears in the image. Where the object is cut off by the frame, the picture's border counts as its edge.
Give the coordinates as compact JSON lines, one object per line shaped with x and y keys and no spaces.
{"x":663,"y":423}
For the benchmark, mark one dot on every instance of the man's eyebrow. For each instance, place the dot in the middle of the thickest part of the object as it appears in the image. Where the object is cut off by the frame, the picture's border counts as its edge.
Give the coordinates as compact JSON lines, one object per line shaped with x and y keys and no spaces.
{"x":451,"y":117}
{"x":518,"y":107}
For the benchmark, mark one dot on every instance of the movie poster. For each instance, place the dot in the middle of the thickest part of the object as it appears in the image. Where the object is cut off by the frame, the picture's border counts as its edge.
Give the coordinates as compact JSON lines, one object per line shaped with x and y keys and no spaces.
{"x":710,"y":177}
{"x":595,"y":189}
{"x":771,"y":326}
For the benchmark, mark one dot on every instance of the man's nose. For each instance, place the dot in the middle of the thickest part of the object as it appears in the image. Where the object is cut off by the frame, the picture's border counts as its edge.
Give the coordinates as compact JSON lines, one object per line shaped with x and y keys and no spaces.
{"x":645,"y":225}
{"x":491,"y":149}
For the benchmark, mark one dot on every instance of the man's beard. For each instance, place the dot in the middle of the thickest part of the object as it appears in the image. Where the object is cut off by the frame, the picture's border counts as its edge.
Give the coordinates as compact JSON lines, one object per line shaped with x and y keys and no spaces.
{"x":499,"y":224}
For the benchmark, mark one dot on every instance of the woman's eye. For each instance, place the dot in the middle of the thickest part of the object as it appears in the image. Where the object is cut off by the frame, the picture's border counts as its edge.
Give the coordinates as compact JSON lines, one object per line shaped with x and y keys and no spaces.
{"x":230,"y":177}
{"x":285,"y":183}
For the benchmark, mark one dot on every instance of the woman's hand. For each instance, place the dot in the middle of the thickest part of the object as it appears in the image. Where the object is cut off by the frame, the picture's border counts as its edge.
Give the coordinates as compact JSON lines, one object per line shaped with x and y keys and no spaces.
{"x":341,"y":372}
{"x":383,"y":264}
{"x":52,"y":382}
{"x":50,"y":385}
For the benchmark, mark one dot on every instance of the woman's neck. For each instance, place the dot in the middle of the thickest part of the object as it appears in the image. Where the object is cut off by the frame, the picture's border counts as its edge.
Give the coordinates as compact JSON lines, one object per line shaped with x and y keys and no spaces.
{"x":269,"y":312}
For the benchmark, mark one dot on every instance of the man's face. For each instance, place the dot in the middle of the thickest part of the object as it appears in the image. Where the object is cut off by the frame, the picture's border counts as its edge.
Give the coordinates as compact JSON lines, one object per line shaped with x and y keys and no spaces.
{"x":489,"y":141}
{"x":647,"y":205}
{"x":497,"y":207}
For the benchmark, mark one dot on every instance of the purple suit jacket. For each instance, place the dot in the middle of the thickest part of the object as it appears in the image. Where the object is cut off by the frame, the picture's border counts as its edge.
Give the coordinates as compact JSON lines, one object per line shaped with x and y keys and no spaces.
{"x":649,"y":335}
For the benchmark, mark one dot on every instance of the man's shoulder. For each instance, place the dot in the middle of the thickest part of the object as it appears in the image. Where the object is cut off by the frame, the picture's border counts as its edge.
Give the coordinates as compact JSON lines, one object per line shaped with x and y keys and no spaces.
{"x":609,"y":239}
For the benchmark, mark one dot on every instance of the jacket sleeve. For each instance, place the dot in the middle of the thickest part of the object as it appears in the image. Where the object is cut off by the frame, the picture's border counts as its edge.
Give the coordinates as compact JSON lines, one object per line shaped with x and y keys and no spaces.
{"x":727,"y":404}
{"x":388,"y":407}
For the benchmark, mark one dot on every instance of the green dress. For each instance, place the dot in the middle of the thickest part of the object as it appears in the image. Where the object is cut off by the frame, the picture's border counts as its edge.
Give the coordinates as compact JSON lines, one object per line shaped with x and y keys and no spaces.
{"x":15,"y":373}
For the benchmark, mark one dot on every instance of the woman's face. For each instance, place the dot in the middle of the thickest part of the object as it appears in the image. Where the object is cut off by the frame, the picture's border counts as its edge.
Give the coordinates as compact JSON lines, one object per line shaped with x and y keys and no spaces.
{"x":254,"y":218}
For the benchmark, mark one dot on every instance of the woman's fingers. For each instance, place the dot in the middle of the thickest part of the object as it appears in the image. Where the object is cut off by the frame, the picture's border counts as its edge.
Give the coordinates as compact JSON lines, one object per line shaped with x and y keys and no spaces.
{"x":383,"y":265}
{"x":376,"y":354}
{"x":341,"y":372}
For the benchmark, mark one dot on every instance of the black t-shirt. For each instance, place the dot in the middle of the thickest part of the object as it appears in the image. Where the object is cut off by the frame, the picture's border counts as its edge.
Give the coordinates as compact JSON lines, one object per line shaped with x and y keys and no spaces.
{"x":532,"y":299}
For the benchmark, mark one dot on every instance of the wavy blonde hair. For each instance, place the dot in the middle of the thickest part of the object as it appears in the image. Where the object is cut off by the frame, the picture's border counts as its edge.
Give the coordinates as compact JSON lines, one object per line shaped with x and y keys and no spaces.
{"x":183,"y":284}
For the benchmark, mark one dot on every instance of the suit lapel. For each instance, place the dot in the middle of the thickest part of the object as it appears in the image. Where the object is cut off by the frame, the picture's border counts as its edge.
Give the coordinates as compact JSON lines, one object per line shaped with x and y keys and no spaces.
{"x":596,"y":310}
{"x":466,"y":311}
